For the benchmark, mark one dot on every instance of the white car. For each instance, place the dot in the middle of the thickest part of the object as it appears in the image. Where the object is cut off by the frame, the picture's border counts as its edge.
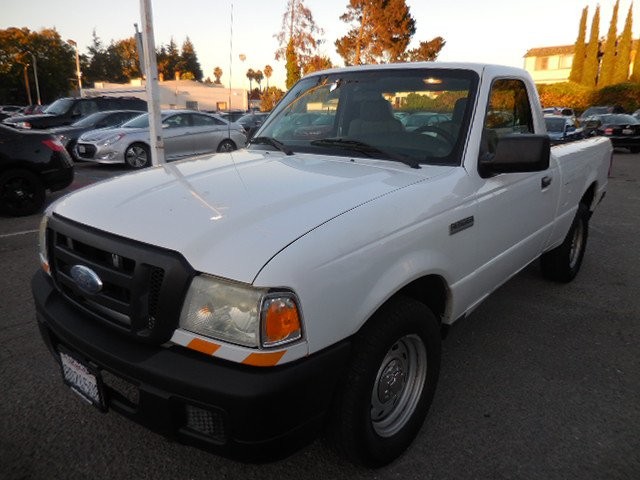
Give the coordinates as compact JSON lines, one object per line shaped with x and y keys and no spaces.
{"x":185,"y":133}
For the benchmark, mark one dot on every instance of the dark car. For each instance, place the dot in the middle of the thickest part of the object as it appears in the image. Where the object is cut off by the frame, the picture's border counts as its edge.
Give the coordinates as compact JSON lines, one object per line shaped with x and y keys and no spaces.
{"x":562,"y":128}
{"x":112,"y":118}
{"x":252,"y":121}
{"x":66,"y":111}
{"x":30,"y":163}
{"x":622,"y":129}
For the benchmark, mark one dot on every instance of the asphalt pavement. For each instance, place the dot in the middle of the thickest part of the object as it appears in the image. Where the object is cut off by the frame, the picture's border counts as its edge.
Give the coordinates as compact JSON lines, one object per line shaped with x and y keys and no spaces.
{"x":542,"y":381}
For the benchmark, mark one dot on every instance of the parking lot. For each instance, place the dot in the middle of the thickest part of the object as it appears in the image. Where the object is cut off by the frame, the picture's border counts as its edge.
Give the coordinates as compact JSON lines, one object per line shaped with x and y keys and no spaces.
{"x":542,"y":381}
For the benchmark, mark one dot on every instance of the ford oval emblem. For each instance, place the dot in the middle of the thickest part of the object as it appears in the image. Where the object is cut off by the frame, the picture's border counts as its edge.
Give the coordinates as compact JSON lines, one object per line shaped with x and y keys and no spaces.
{"x":86,"y":279}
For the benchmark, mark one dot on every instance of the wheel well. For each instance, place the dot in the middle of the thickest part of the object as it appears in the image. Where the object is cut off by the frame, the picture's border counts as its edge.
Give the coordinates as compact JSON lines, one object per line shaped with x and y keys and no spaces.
{"x":587,"y":198}
{"x":430,"y":290}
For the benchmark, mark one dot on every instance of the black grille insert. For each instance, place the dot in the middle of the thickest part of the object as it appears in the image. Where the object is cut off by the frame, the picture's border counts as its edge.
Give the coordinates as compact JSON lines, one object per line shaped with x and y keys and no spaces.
{"x":142,"y":286}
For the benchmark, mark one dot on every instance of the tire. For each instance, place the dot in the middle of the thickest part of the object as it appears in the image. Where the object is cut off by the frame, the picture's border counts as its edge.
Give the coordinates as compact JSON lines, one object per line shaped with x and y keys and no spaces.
{"x":137,"y":155}
{"x":21,"y":193}
{"x":388,"y":388}
{"x":562,"y":264}
{"x":227,"y":146}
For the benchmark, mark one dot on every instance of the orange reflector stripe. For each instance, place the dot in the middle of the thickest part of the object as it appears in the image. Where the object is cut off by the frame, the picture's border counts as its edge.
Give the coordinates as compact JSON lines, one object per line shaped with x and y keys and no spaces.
{"x":203,"y":346}
{"x":264,"y":359}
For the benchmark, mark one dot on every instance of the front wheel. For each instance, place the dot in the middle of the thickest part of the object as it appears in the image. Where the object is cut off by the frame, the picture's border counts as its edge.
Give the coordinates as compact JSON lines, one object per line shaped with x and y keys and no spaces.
{"x":389,"y":384}
{"x":21,"y":192}
{"x":563,"y":263}
{"x":227,"y":146}
{"x":137,"y":155}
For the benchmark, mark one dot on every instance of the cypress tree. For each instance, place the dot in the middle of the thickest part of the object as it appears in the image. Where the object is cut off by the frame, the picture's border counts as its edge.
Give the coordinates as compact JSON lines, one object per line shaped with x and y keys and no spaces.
{"x":578,"y":57}
{"x":590,"y":71}
{"x":293,"y":69}
{"x":609,"y":58}
{"x":635,"y":74}
{"x":623,"y":56}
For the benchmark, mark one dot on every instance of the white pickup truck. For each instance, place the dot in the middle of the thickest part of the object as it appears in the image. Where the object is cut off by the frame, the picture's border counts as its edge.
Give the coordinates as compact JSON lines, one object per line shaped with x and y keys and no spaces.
{"x":242,"y":301}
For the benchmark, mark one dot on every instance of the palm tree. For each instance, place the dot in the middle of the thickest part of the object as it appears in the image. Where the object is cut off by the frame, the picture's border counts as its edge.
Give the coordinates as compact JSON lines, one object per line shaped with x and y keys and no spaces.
{"x":217,"y":72}
{"x":268,"y":71}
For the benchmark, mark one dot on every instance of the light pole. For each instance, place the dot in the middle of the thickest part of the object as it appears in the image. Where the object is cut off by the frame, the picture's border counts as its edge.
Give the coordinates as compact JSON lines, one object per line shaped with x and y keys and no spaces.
{"x":35,"y":75}
{"x":74,"y":44}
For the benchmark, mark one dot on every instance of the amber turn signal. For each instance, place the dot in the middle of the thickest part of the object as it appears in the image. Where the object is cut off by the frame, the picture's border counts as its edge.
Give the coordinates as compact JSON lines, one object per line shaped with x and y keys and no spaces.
{"x":281,"y":321}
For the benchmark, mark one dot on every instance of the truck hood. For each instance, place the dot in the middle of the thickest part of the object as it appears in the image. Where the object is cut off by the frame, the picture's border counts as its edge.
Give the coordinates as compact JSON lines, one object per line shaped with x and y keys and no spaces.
{"x":229,"y":214}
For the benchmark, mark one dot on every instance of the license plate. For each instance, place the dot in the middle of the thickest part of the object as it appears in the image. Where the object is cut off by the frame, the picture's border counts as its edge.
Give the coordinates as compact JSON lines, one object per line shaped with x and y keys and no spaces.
{"x":82,"y":379}
{"x":627,"y":131}
{"x":82,"y":149}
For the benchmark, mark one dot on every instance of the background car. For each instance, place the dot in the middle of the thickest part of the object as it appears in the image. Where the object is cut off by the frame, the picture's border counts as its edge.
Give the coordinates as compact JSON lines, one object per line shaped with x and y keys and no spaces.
{"x":622,"y":129}
{"x":421,"y":119}
{"x":112,"y":118}
{"x":562,"y":128}
{"x":252,"y":121}
{"x":185,"y":133}
{"x":30,"y":164}
{"x":66,"y":111}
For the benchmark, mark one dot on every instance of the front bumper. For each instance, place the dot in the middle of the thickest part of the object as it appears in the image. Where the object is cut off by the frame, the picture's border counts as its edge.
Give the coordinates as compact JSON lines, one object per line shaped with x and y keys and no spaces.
{"x":250,"y":413}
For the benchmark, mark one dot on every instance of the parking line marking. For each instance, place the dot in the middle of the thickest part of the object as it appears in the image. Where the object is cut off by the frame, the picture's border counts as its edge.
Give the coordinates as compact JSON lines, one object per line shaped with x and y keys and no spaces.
{"x":15,"y":234}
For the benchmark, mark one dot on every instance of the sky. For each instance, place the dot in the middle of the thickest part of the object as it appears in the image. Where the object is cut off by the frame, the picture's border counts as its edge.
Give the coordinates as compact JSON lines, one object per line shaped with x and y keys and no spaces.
{"x":484,"y":31}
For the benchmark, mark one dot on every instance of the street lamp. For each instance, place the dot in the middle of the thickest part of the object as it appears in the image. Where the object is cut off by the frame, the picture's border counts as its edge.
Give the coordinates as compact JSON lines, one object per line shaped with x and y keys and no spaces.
{"x":35,"y":74}
{"x":74,"y":44}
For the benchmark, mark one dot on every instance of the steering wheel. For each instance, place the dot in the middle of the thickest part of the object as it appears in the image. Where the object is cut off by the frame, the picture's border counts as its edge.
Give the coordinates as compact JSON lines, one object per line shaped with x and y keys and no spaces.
{"x":438,"y":131}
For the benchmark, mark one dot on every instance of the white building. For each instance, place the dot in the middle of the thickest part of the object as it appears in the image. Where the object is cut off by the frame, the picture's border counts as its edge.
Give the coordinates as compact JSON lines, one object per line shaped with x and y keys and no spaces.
{"x":178,"y":94}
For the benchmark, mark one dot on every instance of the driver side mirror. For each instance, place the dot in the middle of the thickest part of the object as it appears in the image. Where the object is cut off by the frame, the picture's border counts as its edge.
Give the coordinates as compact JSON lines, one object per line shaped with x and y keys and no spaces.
{"x":516,"y":153}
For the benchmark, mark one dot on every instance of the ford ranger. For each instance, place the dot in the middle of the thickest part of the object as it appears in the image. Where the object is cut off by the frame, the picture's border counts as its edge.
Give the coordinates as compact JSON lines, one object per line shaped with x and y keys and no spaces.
{"x":250,"y":299}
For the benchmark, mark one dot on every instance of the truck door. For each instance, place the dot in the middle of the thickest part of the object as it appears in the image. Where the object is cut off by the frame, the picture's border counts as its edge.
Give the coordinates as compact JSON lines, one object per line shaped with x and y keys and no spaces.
{"x":515,"y":210}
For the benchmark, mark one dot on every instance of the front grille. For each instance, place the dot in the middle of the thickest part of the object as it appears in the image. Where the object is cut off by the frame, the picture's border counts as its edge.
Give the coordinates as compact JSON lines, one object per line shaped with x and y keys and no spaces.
{"x":142,"y":287}
{"x":85,"y":150}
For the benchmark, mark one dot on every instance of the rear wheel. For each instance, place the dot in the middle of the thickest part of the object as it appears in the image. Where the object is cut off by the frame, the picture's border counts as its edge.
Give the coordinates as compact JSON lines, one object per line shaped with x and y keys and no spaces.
{"x":562,"y":264}
{"x":227,"y":146}
{"x":137,"y":155}
{"x":21,"y":192}
{"x":389,"y":385}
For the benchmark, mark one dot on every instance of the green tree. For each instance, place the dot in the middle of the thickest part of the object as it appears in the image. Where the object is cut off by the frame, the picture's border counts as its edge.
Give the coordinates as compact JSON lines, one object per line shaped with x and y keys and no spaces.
{"x":167,"y":59}
{"x":55,"y":59}
{"x":381,"y":31}
{"x":293,"y":67}
{"x":298,"y":39}
{"x":590,"y":71}
{"x":251,"y":75}
{"x":623,"y":56}
{"x":609,"y":57}
{"x":427,"y":51}
{"x":269,"y":98}
{"x":258,"y":76}
{"x":188,"y":61}
{"x":578,"y":56}
{"x":217,"y":72}
{"x":317,"y":63}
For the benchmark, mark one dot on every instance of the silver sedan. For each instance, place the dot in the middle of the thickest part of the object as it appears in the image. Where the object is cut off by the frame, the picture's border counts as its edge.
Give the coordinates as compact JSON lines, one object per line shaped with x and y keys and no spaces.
{"x":185,"y":133}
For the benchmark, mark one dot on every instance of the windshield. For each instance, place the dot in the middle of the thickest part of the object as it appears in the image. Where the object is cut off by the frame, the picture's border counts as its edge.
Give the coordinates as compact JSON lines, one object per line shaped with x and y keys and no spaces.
{"x":59,"y":107}
{"x":358,"y":113}
{"x":619,"y":119}
{"x":90,"y":120}
{"x":141,"y":121}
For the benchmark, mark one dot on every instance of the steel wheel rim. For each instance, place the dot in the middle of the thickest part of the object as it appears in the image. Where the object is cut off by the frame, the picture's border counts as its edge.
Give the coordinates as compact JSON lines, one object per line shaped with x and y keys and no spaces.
{"x":136,"y":156}
{"x":577,"y":242}
{"x":398,"y":385}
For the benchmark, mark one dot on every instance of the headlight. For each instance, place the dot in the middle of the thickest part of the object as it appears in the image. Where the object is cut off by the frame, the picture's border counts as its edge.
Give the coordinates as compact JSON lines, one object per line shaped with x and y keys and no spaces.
{"x":240,"y":314}
{"x":112,"y":139}
{"x":42,"y":245}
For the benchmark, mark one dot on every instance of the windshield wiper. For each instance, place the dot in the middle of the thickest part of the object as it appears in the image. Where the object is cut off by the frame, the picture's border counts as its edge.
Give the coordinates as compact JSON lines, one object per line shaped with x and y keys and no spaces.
{"x":365,"y":148}
{"x":273,"y":142}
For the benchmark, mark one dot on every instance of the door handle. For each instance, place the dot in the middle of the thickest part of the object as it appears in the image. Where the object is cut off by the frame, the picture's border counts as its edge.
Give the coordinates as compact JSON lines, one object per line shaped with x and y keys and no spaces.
{"x":545,"y":182}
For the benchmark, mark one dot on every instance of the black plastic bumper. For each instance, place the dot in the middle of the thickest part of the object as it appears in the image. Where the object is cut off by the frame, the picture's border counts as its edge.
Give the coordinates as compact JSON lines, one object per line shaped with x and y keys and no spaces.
{"x":220,"y":406}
